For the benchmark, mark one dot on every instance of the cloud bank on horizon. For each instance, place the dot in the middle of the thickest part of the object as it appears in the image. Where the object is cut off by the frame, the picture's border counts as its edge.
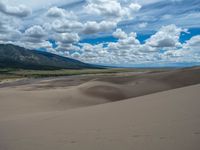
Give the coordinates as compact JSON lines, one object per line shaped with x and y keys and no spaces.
{"x":108,"y":32}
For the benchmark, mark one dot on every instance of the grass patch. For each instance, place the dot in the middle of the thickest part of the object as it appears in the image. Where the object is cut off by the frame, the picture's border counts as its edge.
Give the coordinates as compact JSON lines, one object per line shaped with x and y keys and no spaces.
{"x":9,"y":73}
{"x":21,"y":73}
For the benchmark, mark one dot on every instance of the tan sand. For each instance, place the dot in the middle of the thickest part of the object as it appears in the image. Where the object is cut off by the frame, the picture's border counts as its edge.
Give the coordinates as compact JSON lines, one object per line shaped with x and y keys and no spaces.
{"x":163,"y":121}
{"x":41,"y":115}
{"x":58,"y":94}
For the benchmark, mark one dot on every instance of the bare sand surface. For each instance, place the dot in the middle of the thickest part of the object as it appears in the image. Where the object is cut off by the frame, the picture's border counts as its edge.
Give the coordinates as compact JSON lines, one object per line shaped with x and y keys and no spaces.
{"x":167,"y":120}
{"x":40,"y":113}
{"x":58,"y":94}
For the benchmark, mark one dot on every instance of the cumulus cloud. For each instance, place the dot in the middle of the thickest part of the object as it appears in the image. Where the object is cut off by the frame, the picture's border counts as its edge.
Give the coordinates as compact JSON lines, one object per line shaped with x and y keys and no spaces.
{"x":125,"y":41}
{"x":11,"y":36}
{"x":135,"y":7}
{"x":104,"y":7}
{"x":91,"y":27}
{"x":111,"y":9}
{"x":76,"y":55}
{"x":193,"y":42}
{"x":35,"y":32}
{"x":96,"y":19}
{"x":142,"y":25}
{"x":55,"y":12}
{"x":191,"y":49}
{"x":3,"y":27}
{"x":120,"y":34}
{"x":30,"y":44}
{"x":86,"y":47}
{"x":33,"y":38}
{"x":66,"y":41}
{"x":65,"y":25}
{"x":128,"y":49}
{"x":122,"y":51}
{"x":17,"y":11}
{"x":68,"y":38}
{"x":9,"y":30}
{"x":94,"y":53}
{"x":63,"y":47}
{"x":130,"y":40}
{"x":167,"y":36}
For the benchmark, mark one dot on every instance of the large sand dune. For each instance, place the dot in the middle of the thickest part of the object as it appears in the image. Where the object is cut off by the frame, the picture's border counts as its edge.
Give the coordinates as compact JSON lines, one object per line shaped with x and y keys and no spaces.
{"x":40,"y":114}
{"x":166,"y":120}
{"x":64,"y":93}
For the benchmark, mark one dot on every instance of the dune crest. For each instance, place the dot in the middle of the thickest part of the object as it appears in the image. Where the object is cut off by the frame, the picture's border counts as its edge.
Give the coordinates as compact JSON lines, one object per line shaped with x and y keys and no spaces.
{"x":104,"y":90}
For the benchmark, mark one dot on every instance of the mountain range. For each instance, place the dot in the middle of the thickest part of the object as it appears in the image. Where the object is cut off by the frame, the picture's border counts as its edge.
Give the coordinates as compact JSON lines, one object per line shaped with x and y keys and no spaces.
{"x":12,"y":56}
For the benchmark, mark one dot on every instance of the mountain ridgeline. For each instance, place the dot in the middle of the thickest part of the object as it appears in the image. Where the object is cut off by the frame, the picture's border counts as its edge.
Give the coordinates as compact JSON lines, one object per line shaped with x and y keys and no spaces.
{"x":12,"y":56}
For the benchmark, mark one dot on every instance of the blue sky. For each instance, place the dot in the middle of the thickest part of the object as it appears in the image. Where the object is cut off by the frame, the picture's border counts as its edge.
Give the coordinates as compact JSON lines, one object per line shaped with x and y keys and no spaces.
{"x":109,"y":32}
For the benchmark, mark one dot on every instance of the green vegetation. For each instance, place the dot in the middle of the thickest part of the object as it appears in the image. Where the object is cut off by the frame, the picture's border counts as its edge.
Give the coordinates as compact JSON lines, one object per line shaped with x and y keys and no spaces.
{"x":21,"y":73}
{"x":10,"y":73}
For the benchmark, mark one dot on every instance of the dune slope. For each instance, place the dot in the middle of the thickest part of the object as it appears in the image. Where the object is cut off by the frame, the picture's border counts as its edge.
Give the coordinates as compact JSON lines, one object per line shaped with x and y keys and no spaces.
{"x":165,"y":120}
{"x":65,"y":93}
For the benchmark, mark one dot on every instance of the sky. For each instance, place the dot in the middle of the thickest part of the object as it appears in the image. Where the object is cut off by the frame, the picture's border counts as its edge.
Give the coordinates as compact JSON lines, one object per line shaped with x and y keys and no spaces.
{"x":128,"y":33}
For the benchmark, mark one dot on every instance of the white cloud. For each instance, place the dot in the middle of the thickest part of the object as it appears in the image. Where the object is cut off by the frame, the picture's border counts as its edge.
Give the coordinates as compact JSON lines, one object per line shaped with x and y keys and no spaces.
{"x":34,"y":38}
{"x":120,"y":34}
{"x":143,"y":25}
{"x":128,"y":49}
{"x":135,"y":7}
{"x":92,"y":27}
{"x":122,"y":51}
{"x":68,"y":38}
{"x":194,"y":42}
{"x":32,"y":45}
{"x":40,"y":4}
{"x":112,"y":9}
{"x":11,"y":36}
{"x":9,"y":29}
{"x":167,"y":36}
{"x":105,"y":7}
{"x":125,"y":41}
{"x":56,"y":12}
{"x":35,"y":32}
{"x":64,"y":25}
{"x":17,"y":11}
{"x":91,"y":19}
{"x":87,"y":47}
{"x":76,"y":55}
{"x":66,"y":47}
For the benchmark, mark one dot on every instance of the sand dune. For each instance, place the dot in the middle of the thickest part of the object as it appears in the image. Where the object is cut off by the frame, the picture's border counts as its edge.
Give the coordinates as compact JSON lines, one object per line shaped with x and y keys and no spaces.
{"x":72,"y":92}
{"x":40,"y":114}
{"x":166,"y":120}
{"x":17,"y":101}
{"x":116,"y":92}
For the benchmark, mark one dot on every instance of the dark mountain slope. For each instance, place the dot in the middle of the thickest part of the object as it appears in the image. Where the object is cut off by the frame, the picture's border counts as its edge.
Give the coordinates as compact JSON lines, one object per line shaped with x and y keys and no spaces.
{"x":12,"y":56}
